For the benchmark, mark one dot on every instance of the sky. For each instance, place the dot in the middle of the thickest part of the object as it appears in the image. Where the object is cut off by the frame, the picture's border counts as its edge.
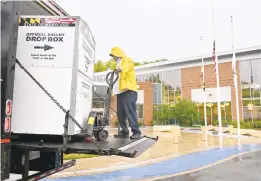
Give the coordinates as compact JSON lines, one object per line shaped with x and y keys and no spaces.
{"x":148,"y":30}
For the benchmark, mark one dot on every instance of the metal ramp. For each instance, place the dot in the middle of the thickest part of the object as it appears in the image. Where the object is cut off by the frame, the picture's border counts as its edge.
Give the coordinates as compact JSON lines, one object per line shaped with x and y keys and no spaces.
{"x":113,"y":146}
{"x":116,"y":146}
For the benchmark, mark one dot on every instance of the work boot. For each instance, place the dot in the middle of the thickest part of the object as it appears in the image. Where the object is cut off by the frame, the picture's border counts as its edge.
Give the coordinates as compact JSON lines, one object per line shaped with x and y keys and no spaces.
{"x":135,"y":136}
{"x":122,"y":134}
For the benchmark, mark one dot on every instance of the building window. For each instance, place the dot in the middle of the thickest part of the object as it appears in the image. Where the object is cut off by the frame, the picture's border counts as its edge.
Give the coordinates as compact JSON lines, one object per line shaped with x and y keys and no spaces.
{"x":166,"y":91}
{"x":250,"y":78}
{"x":171,"y":86}
{"x":157,"y":93}
{"x":177,"y":80}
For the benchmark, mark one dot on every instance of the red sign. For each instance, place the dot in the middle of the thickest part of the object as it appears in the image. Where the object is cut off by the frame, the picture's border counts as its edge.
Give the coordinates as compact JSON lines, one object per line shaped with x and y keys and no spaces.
{"x":7,"y":125}
{"x":8,"y":107}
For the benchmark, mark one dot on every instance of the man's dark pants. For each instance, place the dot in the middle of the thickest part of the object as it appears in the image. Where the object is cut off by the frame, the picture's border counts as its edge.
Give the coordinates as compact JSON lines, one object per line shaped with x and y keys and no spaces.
{"x":126,"y":110}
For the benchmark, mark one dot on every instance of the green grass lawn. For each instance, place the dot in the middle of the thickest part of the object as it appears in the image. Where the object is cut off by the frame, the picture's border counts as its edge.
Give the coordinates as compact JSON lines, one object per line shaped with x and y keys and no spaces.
{"x":78,"y":156}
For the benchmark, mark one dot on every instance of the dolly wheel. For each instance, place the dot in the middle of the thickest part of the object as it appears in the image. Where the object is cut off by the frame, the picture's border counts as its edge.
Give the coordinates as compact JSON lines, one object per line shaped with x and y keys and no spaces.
{"x":102,"y":135}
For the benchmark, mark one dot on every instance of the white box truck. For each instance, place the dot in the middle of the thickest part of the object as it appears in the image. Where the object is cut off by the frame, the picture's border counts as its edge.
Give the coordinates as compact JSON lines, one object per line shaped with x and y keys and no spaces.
{"x":59,"y":52}
{"x":47,"y":67}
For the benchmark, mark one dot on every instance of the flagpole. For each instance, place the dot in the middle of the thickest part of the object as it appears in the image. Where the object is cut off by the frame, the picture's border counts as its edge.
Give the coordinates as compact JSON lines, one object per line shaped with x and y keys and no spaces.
{"x":234,"y":69}
{"x":204,"y":87}
{"x":217,"y":75}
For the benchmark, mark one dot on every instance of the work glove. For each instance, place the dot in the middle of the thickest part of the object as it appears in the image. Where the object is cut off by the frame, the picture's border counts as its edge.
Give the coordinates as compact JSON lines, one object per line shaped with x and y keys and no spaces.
{"x":117,"y":70}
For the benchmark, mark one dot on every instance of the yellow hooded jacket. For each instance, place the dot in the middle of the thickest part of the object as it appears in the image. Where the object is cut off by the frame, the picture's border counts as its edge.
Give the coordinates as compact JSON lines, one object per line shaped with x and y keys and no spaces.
{"x":127,"y":77}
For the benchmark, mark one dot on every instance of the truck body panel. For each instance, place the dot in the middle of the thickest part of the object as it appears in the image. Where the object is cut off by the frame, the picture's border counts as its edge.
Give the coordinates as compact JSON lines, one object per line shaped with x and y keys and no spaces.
{"x":53,"y":50}
{"x":86,"y":50}
{"x":85,"y":71}
{"x":83,"y":100}
{"x":9,"y":16}
{"x":39,"y":115}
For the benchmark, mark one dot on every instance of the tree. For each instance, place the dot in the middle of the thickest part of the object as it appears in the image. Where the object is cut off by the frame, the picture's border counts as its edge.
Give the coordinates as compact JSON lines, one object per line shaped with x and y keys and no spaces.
{"x":99,"y":66}
{"x":163,"y":115}
{"x":137,"y":63}
{"x":185,"y":111}
{"x":111,"y":64}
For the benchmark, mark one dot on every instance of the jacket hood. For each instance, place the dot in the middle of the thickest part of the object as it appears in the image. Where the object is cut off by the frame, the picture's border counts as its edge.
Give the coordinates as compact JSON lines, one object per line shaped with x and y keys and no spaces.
{"x":118,"y":52}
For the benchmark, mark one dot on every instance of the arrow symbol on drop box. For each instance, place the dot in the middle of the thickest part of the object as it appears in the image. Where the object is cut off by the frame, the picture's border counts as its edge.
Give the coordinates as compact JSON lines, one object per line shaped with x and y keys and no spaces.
{"x":45,"y":47}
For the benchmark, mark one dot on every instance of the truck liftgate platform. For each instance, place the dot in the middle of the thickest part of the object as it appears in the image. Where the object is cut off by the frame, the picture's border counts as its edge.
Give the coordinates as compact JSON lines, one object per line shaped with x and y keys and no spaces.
{"x":113,"y":146}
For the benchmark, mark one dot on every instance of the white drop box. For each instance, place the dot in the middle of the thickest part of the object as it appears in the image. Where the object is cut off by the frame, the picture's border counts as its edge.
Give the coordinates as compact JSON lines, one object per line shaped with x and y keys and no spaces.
{"x":59,"y":52}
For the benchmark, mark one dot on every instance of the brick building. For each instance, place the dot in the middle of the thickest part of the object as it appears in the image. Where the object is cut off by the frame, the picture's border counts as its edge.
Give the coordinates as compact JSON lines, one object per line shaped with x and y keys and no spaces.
{"x":164,"y":83}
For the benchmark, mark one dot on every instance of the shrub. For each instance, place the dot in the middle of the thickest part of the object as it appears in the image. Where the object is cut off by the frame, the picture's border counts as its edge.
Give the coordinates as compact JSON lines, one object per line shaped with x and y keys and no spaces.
{"x":153,"y":123}
{"x":162,"y":114}
{"x":183,"y":112}
{"x":243,"y":124}
{"x":248,"y":124}
{"x":225,"y":123}
{"x":234,"y":123}
{"x":116,"y":123}
{"x":257,"y":124}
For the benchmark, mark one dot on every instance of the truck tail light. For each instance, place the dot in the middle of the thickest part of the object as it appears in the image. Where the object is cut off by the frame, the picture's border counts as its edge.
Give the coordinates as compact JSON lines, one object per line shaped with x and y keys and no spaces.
{"x":8,"y":107}
{"x":7,"y":125}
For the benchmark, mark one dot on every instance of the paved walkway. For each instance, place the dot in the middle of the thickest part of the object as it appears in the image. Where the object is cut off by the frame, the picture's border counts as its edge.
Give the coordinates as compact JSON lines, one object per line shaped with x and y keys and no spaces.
{"x":245,"y":167}
{"x":163,"y":158}
{"x":168,"y":167}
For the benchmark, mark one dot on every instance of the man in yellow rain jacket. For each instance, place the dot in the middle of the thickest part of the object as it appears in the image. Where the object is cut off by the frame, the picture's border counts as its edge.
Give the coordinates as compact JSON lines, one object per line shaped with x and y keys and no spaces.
{"x":126,"y":91}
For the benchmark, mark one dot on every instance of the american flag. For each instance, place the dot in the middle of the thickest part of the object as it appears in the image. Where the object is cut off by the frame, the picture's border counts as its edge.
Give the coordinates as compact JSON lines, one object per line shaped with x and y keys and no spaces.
{"x":214,"y":56}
